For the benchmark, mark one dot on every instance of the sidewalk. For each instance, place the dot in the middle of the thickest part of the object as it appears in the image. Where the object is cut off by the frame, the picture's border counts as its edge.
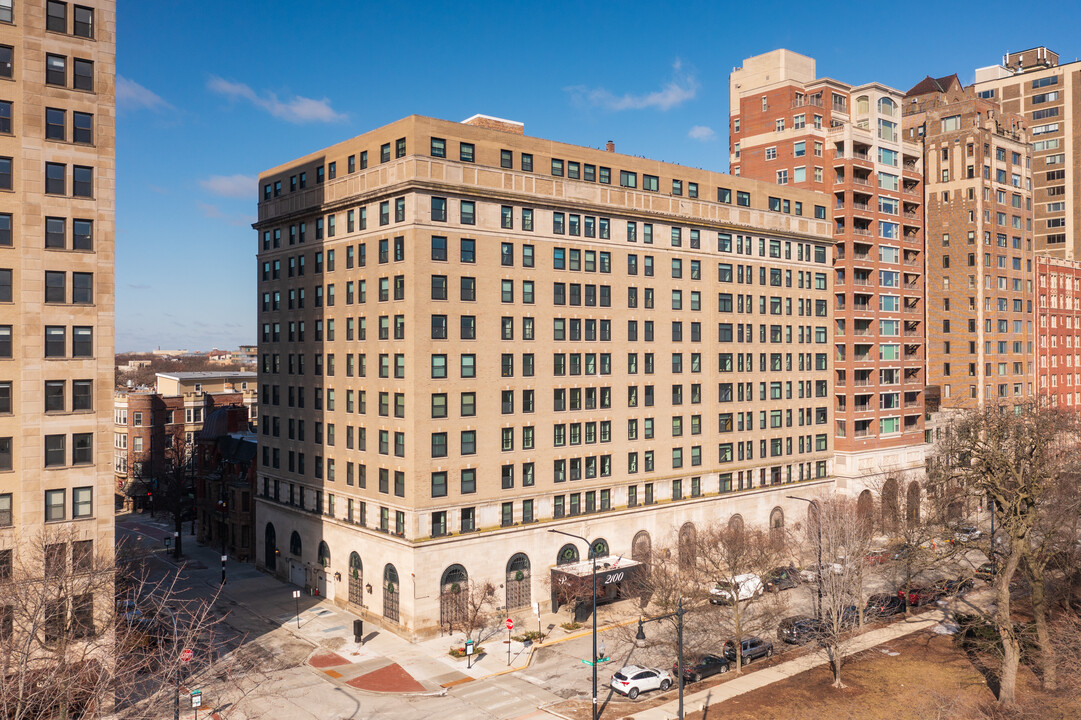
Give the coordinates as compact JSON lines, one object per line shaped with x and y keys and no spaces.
{"x":701,"y":700}
{"x":384,"y":662}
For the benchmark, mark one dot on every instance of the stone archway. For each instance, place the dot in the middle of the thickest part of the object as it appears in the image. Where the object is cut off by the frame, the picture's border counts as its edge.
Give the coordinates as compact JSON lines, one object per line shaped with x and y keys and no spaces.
{"x":356,"y":580}
{"x":865,"y":510}
{"x":519,"y":593}
{"x":453,"y":595}
{"x":391,"y":593}
{"x":270,"y":548}
{"x":735,"y":523}
{"x":776,"y":527}
{"x":642,"y":547}
{"x":891,"y":504}
{"x":688,"y":545}
{"x":912,"y":504}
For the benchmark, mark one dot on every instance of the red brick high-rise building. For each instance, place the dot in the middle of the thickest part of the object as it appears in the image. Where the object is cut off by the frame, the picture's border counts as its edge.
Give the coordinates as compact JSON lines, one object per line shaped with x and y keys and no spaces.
{"x":790,"y":127}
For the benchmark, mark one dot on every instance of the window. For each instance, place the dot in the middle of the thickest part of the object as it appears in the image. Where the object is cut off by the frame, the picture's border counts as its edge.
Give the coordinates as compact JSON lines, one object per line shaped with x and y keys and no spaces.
{"x":82,"y":502}
{"x":82,"y":181}
{"x":56,"y":70}
{"x":55,"y":178}
{"x":55,"y":341}
{"x":82,"y":128}
{"x":467,"y":152}
{"x":55,"y":451}
{"x":55,"y":508}
{"x":82,"y":341}
{"x":7,"y":55}
{"x":439,"y":147}
{"x":83,"y":74}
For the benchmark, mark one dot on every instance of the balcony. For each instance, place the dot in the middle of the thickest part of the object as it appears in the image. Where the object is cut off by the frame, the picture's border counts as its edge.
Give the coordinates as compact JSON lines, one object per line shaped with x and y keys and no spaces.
{"x":807,"y":102}
{"x":863,"y":282}
{"x":862,"y":382}
{"x":911,"y":191}
{"x":910,"y":215}
{"x":861,"y":231}
{"x":861,"y":206}
{"x":862,"y":181}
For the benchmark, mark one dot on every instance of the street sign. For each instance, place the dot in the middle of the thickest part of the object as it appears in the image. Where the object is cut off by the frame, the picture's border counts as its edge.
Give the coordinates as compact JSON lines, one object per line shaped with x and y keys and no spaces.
{"x":536,"y":609}
{"x":186,"y":655}
{"x":510,"y":623}
{"x":296,"y":593}
{"x":224,"y":558}
{"x":168,"y":542}
{"x":196,"y":698}
{"x":468,"y":647}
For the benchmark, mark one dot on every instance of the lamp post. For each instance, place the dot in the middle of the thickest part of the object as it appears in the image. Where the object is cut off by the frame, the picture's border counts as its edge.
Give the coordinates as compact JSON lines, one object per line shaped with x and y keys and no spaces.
{"x":179,"y":665}
{"x":593,"y":557}
{"x":994,"y":555}
{"x":818,"y":570}
{"x":640,"y":638}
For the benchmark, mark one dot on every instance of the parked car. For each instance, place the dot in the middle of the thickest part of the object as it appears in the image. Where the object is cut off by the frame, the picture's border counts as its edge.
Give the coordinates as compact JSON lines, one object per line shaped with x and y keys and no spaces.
{"x":634,"y":679}
{"x":883,"y":605}
{"x":917,"y":595}
{"x":781,"y":578}
{"x":877,"y":557}
{"x":967,"y":533}
{"x":986,"y":572}
{"x":708,"y":666}
{"x":949,"y":587}
{"x":809,"y":574}
{"x":742,"y":587}
{"x":799,"y":630}
{"x":751,"y":649}
{"x":850,"y":616}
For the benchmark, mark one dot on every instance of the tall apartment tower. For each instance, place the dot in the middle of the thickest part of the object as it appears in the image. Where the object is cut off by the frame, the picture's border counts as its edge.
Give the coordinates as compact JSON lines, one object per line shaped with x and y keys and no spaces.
{"x":978,"y":183}
{"x":57,"y":188}
{"x":1033,"y":84}
{"x":791,"y":128}
{"x":470,"y":337}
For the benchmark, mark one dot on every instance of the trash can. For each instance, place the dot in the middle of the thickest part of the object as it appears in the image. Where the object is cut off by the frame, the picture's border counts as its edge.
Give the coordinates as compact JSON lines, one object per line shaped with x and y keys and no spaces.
{"x":358,"y":631}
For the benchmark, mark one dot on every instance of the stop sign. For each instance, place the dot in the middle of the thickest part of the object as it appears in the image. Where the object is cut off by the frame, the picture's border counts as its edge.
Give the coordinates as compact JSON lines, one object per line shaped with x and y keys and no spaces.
{"x":186,"y":655}
{"x":510,"y":623}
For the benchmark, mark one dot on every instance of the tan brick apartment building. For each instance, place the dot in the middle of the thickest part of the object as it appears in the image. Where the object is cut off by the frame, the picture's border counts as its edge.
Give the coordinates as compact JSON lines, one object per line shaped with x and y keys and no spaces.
{"x":469,"y":336}
{"x":978,"y":183}
{"x":1033,"y":84}
{"x":793,"y":129}
{"x":57,"y":191}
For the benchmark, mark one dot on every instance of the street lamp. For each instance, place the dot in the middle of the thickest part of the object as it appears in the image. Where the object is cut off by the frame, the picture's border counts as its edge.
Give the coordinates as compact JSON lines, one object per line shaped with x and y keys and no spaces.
{"x":640,"y":638}
{"x":818,"y":570}
{"x":594,"y":558}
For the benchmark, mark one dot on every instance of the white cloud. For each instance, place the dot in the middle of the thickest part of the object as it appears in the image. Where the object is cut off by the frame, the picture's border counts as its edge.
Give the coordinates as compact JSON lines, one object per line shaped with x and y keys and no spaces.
{"x":681,"y":88}
{"x":130,"y":95}
{"x":214,"y":213}
{"x":701,"y":132}
{"x":232,"y":186}
{"x":296,"y":110}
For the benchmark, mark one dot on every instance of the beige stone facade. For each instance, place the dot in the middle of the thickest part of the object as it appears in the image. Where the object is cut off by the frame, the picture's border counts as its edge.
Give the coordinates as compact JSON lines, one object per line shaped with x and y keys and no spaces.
{"x":469,"y":336}
{"x":57,"y":190}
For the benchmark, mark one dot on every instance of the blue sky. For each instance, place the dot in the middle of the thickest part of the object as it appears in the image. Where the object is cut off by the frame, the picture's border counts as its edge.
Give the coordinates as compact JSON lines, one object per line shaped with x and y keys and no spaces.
{"x":210,"y":94}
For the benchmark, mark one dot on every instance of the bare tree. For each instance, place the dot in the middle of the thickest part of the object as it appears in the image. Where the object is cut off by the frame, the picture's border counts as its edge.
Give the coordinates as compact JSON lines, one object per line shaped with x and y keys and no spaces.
{"x":839,"y":535}
{"x":1012,"y":455}
{"x":471,"y":607}
{"x":79,"y":640}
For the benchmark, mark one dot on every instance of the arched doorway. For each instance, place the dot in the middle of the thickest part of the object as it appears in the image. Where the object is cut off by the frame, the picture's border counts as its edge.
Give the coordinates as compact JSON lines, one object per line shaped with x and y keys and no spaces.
{"x":356,"y":580}
{"x":453,"y":595}
{"x":891,"y":504}
{"x":865,"y":510}
{"x":270,"y":548}
{"x":568,"y":555}
{"x":390,"y":593}
{"x":297,"y":573}
{"x":599,"y":548}
{"x":735,"y":523}
{"x":688,"y":545}
{"x":642,"y":547}
{"x":776,"y":527}
{"x":518,"y":582}
{"x":323,"y":555}
{"x":295,"y":546}
{"x":912,"y":504}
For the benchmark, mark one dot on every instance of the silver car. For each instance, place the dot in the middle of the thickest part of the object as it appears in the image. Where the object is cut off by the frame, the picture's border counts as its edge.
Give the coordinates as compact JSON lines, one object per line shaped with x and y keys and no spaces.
{"x":634,"y":679}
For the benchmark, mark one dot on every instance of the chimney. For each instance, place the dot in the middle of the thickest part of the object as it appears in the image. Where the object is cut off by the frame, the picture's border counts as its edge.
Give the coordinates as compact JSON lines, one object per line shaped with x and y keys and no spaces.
{"x":610,"y":146}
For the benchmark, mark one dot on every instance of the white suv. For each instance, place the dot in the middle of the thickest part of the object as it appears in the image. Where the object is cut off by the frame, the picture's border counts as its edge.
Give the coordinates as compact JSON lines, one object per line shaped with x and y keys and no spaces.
{"x":742,"y":587}
{"x":634,"y":679}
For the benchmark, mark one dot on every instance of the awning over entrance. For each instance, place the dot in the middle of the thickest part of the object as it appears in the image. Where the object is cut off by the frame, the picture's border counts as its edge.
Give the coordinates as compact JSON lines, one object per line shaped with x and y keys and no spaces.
{"x":616,"y":578}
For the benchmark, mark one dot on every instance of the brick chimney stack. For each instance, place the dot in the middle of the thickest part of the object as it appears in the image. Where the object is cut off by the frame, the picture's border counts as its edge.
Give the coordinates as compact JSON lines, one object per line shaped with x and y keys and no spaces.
{"x":610,"y":146}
